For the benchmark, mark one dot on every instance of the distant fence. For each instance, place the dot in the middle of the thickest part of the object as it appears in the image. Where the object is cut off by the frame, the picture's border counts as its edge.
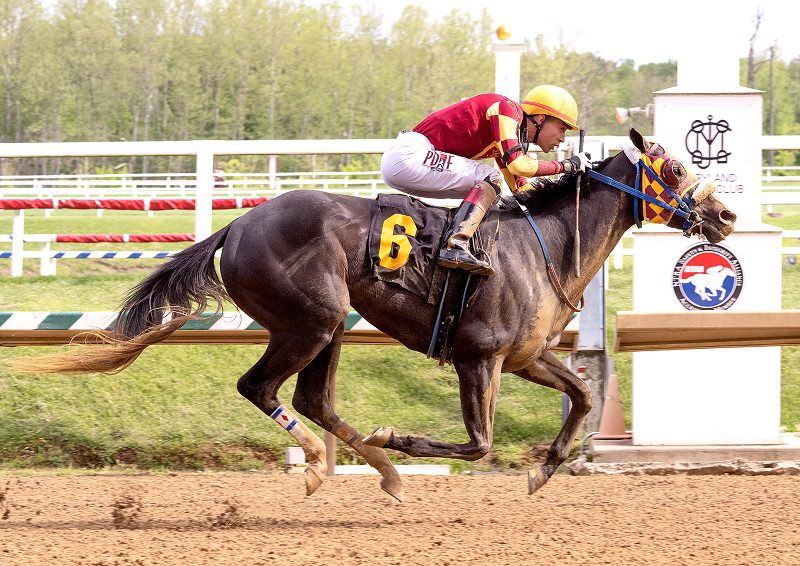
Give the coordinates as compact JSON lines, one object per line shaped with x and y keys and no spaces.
{"x":47,"y":258}
{"x":183,"y":185}
{"x":206,"y":184}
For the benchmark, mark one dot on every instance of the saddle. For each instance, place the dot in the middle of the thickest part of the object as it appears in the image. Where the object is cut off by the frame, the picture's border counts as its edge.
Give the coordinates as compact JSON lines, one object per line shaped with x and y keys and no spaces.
{"x":404,"y":239}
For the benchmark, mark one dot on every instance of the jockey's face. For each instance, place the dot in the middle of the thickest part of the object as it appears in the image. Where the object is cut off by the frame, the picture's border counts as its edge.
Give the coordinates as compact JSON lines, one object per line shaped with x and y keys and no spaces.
{"x":552,"y":134}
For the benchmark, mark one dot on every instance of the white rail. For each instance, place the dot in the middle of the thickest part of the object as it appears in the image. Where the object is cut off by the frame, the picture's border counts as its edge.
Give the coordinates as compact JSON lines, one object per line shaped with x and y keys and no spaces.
{"x":183,"y":185}
{"x":203,"y":185}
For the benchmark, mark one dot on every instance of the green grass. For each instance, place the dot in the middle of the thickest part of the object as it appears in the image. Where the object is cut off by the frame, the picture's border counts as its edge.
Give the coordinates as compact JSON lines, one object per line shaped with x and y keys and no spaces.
{"x":177,"y":406}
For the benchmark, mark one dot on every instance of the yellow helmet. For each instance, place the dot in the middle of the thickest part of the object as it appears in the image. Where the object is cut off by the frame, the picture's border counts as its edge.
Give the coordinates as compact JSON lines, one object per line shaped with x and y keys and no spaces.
{"x":553,"y":101}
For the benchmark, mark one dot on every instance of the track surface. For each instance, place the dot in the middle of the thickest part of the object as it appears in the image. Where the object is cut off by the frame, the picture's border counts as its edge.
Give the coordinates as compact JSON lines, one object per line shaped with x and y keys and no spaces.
{"x":267,"y":519}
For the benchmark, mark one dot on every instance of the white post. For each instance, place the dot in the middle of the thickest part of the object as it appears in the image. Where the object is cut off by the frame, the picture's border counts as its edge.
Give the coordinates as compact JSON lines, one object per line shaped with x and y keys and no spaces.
{"x":711,"y":123}
{"x":619,"y":257}
{"x":204,"y":184}
{"x":47,"y":266}
{"x":507,"y":53}
{"x":17,"y":242}
{"x":273,"y":171}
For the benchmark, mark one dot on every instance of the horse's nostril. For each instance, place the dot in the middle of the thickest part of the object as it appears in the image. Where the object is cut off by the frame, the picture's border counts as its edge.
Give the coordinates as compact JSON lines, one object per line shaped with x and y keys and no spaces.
{"x":727,"y":216}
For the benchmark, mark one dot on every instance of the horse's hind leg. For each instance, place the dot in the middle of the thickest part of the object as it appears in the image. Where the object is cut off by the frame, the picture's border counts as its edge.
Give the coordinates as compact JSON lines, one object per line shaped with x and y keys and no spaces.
{"x":285,"y":356}
{"x":479,"y":383}
{"x":550,"y":372}
{"x":312,"y":398}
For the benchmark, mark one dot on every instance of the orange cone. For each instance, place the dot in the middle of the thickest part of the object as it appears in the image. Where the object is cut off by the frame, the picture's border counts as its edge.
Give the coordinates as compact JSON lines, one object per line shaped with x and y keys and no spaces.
{"x":612,"y":422}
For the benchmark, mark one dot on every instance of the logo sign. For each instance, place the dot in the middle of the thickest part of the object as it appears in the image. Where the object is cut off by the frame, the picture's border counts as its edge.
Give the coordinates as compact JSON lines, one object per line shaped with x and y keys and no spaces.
{"x":707,"y":277}
{"x":705,"y":142}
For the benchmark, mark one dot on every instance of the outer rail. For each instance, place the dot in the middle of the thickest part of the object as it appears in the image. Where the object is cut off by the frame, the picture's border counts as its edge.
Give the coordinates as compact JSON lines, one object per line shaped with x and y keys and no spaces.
{"x":54,"y":329}
{"x":60,"y":337}
{"x":638,"y":331}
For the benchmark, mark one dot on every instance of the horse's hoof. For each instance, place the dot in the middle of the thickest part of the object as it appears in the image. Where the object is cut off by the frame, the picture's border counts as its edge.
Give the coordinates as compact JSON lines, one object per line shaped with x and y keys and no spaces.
{"x":393,"y":486}
{"x":379,"y":437}
{"x":536,"y":479}
{"x":314,"y":478}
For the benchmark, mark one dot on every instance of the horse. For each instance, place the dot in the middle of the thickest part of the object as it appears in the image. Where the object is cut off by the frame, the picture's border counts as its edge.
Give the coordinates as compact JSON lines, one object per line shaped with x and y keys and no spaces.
{"x":710,"y":283}
{"x":298,"y":263}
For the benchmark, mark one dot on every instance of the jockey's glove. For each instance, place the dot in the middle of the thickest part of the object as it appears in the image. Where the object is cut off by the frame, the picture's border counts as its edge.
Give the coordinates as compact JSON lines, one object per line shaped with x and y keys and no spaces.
{"x":578,"y":163}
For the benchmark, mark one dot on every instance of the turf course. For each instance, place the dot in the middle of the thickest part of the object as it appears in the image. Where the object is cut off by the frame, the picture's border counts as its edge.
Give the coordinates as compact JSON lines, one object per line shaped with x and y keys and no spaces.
{"x":177,"y":407}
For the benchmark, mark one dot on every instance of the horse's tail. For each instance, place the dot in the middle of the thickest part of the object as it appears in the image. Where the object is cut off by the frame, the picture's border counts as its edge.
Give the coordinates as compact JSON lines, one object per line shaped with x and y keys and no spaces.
{"x":182,"y":288}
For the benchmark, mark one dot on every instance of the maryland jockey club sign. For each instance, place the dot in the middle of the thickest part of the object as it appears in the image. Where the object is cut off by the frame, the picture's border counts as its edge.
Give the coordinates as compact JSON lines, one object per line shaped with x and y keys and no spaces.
{"x":707,"y":277}
{"x":715,"y":126}
{"x":705,"y":143}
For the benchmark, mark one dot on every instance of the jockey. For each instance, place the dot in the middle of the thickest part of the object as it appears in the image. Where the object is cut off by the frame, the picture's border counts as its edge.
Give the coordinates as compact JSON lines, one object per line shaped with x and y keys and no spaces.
{"x":438,"y":158}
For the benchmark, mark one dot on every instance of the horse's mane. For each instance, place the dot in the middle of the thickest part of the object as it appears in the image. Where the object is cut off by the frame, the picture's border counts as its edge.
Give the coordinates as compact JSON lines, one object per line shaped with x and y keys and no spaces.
{"x":552,"y":193}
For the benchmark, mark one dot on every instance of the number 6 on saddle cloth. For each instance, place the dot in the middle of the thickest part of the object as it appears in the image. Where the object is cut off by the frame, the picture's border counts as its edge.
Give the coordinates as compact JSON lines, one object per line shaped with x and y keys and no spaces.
{"x":404,"y":239}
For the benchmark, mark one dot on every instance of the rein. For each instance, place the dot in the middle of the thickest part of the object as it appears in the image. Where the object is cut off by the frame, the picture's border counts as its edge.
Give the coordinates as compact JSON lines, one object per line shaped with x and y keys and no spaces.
{"x":549,"y":262}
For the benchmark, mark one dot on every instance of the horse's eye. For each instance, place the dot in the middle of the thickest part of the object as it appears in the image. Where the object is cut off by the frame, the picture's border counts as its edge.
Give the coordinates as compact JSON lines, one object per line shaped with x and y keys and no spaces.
{"x":678,"y":170}
{"x":673,"y":173}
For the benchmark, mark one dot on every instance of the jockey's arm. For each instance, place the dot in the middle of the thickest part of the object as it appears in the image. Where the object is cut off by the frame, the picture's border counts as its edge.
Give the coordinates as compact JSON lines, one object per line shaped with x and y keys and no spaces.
{"x":515,"y":164}
{"x":521,"y":183}
{"x":511,"y":180}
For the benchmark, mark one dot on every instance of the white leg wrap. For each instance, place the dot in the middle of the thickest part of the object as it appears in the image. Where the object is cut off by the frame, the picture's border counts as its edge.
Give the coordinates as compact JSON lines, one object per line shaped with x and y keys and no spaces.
{"x":289,"y":422}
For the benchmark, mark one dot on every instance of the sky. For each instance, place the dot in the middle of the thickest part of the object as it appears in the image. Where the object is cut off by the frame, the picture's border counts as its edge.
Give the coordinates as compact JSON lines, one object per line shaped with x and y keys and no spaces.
{"x":647,"y":32}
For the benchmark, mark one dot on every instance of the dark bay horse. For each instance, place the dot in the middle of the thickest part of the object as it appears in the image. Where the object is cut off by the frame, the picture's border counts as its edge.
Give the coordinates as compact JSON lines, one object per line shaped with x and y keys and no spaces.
{"x":299,"y":262}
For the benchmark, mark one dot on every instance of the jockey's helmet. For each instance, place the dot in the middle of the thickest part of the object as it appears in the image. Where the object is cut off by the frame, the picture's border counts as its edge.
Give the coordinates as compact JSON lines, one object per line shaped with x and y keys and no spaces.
{"x":552,"y":101}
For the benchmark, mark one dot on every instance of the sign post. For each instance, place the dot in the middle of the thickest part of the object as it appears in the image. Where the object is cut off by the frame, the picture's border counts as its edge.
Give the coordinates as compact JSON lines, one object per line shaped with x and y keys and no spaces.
{"x":709,"y":397}
{"x":507,"y":54}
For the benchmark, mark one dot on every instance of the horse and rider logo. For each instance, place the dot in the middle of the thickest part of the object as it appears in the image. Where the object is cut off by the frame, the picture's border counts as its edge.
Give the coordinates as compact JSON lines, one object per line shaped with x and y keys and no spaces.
{"x":707,"y":277}
{"x":705,"y":142}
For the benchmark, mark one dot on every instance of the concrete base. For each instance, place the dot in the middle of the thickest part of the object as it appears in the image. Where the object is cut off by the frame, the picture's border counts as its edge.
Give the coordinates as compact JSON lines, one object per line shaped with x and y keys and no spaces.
{"x":607,"y":451}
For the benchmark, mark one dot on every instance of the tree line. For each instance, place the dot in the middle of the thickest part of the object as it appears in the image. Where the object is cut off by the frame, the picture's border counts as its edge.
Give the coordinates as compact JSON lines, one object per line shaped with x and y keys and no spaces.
{"x":97,"y":70}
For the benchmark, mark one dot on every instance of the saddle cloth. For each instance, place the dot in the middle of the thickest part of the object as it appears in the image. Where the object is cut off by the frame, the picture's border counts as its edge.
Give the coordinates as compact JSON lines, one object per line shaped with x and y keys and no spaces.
{"x":404,"y":239}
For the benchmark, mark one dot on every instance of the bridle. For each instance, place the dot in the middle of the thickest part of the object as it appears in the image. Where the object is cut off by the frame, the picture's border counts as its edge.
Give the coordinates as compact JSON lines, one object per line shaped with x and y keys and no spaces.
{"x":647,"y":174}
{"x":650,"y":187}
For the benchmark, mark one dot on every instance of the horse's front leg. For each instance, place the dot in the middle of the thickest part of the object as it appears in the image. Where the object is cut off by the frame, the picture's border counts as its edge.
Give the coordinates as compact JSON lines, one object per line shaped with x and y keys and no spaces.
{"x":550,"y":372}
{"x":479,"y":382}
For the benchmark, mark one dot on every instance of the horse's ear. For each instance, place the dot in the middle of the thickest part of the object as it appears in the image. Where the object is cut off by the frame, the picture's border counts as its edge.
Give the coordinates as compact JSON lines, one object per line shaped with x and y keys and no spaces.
{"x":633,"y":154}
{"x":639,"y":141}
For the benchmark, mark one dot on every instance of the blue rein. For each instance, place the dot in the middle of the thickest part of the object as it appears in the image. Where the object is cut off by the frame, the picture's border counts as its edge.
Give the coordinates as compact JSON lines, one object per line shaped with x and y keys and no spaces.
{"x":683,"y":210}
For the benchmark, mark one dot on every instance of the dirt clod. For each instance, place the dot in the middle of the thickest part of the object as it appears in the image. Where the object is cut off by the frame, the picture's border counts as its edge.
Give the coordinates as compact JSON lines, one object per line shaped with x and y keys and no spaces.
{"x":126,"y":511}
{"x":231,"y":518}
{"x":5,"y":509}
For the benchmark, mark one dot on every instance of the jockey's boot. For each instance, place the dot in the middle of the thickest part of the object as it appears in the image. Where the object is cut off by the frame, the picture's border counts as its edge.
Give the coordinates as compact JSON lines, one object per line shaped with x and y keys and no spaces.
{"x":468,"y":216}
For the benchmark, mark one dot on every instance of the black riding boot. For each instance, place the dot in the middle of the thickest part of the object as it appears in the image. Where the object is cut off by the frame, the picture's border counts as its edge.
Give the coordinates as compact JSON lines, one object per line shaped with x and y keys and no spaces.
{"x":468,"y":216}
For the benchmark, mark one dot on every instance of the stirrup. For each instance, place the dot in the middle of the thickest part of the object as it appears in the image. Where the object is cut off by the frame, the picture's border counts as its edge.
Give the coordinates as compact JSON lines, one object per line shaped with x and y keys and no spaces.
{"x":458,"y":258}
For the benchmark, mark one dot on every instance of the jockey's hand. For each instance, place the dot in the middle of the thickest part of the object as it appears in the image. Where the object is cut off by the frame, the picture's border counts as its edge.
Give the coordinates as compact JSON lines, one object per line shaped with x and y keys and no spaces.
{"x":578,"y":163}
{"x":529,"y":186}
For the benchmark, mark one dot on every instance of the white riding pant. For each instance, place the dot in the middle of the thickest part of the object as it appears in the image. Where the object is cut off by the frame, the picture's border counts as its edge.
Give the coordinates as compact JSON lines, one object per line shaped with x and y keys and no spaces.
{"x":412,"y":165}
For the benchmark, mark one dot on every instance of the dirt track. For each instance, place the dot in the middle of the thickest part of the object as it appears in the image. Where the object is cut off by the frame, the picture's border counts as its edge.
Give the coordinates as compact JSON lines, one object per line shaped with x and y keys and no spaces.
{"x":265,"y":519}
